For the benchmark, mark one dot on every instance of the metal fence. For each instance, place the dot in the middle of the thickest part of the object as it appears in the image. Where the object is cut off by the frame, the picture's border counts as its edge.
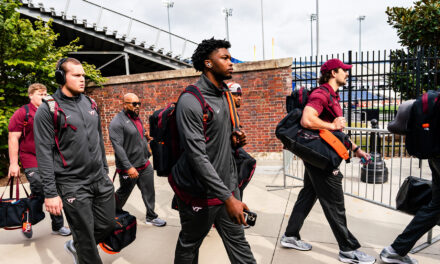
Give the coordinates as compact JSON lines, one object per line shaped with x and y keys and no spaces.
{"x":377,"y":183}
{"x":378,"y":82}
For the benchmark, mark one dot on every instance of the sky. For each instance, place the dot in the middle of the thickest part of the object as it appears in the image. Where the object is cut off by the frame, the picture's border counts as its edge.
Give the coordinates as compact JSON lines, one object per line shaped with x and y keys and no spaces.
{"x":286,"y":24}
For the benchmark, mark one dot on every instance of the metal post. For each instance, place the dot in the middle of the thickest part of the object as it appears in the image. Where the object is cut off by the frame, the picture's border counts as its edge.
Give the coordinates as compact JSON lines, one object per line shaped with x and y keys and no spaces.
{"x":262,"y":29}
{"x":99,"y":16}
{"x":228,"y":13}
{"x":418,"y":72}
{"x":127,"y":67}
{"x":312,"y":18}
{"x":129,"y":24}
{"x":350,"y":88}
{"x":360,"y":18}
{"x":317,"y":28}
{"x":66,"y":7}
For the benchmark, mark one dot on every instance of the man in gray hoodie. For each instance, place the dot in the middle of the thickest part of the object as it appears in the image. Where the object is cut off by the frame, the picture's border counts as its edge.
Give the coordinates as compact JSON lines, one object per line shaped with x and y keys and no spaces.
{"x":129,"y":141}
{"x":72,"y":163}
{"x":205,"y":176}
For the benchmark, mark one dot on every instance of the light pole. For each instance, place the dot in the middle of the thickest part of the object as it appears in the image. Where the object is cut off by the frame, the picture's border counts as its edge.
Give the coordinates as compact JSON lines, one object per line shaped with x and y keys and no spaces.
{"x":317,"y":28}
{"x":312,"y":18}
{"x":169,"y":4}
{"x":360,"y":18}
{"x":262,"y":28}
{"x":228,"y":13}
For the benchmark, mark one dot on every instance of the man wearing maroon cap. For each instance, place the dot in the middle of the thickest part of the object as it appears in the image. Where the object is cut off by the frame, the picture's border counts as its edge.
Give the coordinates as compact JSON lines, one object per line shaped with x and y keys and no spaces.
{"x":324,"y":112}
{"x":21,"y":145}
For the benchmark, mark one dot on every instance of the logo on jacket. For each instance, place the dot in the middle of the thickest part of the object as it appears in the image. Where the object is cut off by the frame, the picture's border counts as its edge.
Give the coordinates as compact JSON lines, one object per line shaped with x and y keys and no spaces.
{"x":70,"y":200}
{"x":196,"y":208}
{"x":125,"y":177}
{"x":92,"y":112}
{"x":31,"y":173}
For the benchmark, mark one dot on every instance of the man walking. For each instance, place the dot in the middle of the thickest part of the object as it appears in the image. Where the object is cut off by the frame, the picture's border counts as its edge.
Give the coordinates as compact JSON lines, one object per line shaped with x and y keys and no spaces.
{"x":205,"y":177}
{"x":323,"y":113}
{"x":72,"y":163}
{"x":131,"y":153}
{"x":22,"y":147}
{"x":425,"y":219}
{"x":235,"y":89}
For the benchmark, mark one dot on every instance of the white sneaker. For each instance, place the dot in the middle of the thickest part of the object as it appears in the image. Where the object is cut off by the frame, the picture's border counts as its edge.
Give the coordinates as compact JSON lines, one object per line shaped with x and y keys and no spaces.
{"x":156,"y":222}
{"x":293,"y":242}
{"x":63,"y":231}
{"x":356,"y":256}
{"x":70,"y":248}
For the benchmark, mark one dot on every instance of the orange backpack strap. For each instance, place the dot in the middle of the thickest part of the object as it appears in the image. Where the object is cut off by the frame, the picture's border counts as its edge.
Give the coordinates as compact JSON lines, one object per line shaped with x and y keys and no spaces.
{"x":233,"y":111}
{"x":335,"y":143}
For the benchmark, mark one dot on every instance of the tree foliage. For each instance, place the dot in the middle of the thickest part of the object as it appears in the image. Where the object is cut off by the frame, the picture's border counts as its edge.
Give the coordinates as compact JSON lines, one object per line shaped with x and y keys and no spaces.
{"x":27,"y":55}
{"x":417,"y":68}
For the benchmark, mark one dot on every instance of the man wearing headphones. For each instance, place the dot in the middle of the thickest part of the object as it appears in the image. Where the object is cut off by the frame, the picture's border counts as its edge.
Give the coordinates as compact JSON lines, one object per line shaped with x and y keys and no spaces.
{"x":72,"y":163}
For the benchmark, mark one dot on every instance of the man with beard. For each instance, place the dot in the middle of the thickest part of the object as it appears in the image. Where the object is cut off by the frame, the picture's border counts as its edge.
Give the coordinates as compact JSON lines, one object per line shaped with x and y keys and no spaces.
{"x":321,"y":112}
{"x":205,"y":176}
{"x":129,"y":141}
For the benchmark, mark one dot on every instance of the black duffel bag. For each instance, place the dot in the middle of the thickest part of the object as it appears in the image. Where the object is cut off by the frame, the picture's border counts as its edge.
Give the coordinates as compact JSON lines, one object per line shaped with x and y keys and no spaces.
{"x":413,"y":194}
{"x":123,"y":234}
{"x":307,"y":144}
{"x":12,"y":210}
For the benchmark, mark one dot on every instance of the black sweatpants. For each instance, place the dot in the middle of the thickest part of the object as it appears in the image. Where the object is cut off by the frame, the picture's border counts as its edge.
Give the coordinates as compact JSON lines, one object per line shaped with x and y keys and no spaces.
{"x":90,"y":212}
{"x":36,"y":185}
{"x":145,"y":183}
{"x":196,"y":223}
{"x":425,"y":219}
{"x":327,"y":187}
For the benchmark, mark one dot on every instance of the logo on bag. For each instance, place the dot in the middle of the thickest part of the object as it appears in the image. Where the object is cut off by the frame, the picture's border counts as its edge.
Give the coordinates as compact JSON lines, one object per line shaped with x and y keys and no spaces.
{"x":335,"y":172}
{"x":125,"y":177}
{"x":31,"y":173}
{"x":70,"y":200}
{"x":196,"y":208}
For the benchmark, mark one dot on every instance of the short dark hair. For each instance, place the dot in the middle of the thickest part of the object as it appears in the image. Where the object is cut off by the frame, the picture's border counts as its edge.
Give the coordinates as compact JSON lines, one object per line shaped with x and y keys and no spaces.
{"x":326,"y":76}
{"x":204,"y":49}
{"x":68,"y":60}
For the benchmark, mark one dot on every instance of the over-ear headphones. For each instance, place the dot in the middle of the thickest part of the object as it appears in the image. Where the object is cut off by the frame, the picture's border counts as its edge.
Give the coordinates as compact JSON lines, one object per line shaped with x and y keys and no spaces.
{"x":60,"y":75}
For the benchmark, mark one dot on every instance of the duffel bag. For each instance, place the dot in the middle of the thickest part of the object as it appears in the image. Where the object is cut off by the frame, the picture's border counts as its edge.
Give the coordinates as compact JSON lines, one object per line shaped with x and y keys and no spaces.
{"x":123,"y":234}
{"x":309,"y":145}
{"x":13,"y":210}
{"x":413,"y":194}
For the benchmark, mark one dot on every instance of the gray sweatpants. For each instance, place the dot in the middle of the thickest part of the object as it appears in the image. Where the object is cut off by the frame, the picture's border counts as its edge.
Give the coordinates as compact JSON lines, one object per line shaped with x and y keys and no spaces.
{"x":196,"y":223}
{"x":145,"y":183}
{"x":36,"y":185}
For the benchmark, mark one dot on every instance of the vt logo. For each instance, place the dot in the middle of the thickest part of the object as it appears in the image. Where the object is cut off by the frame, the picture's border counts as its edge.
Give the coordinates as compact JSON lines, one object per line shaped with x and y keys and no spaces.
{"x":92,"y":112}
{"x":70,"y":200}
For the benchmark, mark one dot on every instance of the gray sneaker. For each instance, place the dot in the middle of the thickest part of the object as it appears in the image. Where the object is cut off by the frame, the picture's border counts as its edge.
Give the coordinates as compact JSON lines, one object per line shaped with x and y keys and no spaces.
{"x":70,"y":248}
{"x":389,"y":257}
{"x":356,"y":256}
{"x":156,"y":222}
{"x":63,"y":231}
{"x":293,"y":242}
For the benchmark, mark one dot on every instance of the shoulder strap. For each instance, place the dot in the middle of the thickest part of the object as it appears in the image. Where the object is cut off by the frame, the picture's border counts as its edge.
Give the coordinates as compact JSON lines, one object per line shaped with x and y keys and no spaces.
{"x":326,"y":89}
{"x":233,"y":111}
{"x":206,"y":108}
{"x":93,"y":102}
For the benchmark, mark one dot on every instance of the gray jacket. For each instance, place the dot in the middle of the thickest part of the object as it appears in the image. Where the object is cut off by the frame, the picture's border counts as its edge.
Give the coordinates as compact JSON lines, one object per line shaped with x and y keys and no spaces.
{"x":205,"y":169}
{"x":131,"y":150}
{"x":83,"y":148}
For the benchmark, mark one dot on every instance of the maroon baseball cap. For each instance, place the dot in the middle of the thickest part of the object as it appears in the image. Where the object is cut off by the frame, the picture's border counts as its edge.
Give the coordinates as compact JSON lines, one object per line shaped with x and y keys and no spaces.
{"x":334,"y":64}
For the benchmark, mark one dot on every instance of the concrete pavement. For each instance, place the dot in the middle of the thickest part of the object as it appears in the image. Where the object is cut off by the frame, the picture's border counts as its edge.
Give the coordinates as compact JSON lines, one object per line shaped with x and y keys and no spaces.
{"x":374,"y":226}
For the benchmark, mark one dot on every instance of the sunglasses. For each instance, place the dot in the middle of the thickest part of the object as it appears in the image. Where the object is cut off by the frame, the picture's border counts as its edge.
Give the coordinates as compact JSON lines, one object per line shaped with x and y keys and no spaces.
{"x":134,"y":103}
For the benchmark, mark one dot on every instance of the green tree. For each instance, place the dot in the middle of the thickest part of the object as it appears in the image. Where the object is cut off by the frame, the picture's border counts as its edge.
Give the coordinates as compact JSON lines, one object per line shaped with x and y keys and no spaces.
{"x":416,"y":69}
{"x":27,"y":54}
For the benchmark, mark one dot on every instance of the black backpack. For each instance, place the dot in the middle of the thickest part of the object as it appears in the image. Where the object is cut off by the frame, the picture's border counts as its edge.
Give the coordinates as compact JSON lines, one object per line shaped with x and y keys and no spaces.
{"x":299,"y":98}
{"x":422,"y":139}
{"x":165,"y":145}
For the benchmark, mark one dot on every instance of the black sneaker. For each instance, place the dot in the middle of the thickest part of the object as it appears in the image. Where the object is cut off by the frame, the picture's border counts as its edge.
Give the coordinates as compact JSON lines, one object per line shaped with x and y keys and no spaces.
{"x":356,"y":256}
{"x":389,"y":257}
{"x":70,"y":248}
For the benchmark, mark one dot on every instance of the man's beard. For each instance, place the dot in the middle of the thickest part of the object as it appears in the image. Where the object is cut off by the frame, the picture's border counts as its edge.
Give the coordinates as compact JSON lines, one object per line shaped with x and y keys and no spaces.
{"x":221,"y":77}
{"x":132,"y":113}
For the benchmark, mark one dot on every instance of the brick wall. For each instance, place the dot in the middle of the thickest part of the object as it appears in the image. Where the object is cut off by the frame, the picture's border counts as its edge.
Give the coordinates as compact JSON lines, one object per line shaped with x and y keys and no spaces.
{"x":265,"y":85}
